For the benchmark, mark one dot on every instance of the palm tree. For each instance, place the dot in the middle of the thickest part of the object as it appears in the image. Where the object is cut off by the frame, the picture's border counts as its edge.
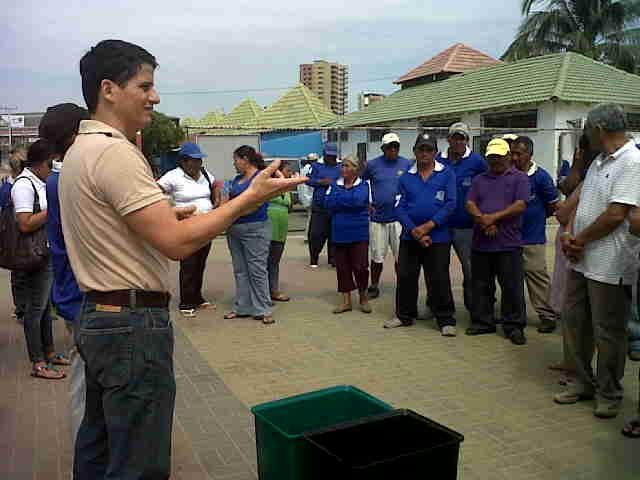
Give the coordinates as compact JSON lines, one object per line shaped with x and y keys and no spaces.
{"x":605,"y":30}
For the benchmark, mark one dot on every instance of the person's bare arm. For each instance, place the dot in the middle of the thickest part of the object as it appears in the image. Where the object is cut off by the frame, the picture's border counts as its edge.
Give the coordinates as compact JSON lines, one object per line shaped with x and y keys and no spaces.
{"x":157,"y":224}
{"x":606,"y":223}
{"x":516,"y":208}
{"x":634,"y":221}
{"x":566,"y":209}
{"x":30,"y":222}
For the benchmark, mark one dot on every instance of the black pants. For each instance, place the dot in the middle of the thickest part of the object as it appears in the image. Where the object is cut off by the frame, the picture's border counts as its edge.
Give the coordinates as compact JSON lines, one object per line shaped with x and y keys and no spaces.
{"x":319,"y":234}
{"x":434,"y":261}
{"x":352,"y":266}
{"x":508,"y":269}
{"x":276,"y":249}
{"x":126,"y":428}
{"x":191,"y":275}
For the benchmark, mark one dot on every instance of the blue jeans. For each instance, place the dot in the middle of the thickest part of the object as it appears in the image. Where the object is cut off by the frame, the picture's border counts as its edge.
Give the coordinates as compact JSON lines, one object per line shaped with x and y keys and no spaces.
{"x":34,"y":288}
{"x":130,"y":396}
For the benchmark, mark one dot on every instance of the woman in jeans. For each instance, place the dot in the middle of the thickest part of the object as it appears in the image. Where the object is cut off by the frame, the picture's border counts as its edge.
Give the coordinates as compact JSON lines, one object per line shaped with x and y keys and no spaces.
{"x":279,"y":216}
{"x":348,"y":201}
{"x":249,"y":239}
{"x":190,"y":184}
{"x":28,"y":188}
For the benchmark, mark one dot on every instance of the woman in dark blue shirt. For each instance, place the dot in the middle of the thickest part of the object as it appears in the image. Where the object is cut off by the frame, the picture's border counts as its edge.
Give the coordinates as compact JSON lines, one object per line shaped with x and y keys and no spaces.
{"x":249,"y":239}
{"x":348,"y":202}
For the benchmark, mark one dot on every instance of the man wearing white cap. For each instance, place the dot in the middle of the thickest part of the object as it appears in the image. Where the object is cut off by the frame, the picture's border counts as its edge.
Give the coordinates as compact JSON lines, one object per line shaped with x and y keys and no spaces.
{"x":467,"y":165}
{"x":384,"y":173}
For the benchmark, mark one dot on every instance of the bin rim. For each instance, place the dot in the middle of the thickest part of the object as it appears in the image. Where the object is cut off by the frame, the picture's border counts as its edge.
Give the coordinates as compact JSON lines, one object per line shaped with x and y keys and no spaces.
{"x":258,"y":410}
{"x":457,"y":440}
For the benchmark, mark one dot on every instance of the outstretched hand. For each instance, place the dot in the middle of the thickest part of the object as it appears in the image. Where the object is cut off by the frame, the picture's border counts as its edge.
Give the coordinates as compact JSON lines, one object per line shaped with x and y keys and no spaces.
{"x":184,"y":212}
{"x":270,"y":183}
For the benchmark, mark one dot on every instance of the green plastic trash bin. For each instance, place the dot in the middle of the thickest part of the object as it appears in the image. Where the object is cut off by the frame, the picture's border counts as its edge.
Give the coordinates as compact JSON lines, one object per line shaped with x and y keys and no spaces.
{"x":283,"y":453}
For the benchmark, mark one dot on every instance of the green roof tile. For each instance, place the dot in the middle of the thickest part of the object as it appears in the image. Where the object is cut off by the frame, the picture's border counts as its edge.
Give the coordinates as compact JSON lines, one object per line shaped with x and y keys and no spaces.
{"x":298,"y":108}
{"x":244,"y":115}
{"x":566,"y":76}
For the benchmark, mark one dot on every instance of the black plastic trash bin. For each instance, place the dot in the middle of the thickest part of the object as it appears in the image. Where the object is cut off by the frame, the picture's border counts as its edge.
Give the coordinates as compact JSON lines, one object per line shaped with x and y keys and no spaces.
{"x":400,"y":445}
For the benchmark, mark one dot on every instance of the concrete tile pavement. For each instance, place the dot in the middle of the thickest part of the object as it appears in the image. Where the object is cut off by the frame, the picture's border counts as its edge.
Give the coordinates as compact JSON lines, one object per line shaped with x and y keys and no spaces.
{"x":497,"y":394}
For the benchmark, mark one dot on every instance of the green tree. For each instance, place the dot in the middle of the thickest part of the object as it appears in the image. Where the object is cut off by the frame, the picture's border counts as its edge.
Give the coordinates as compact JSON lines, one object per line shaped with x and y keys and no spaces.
{"x":605,"y":30}
{"x":162,"y":135}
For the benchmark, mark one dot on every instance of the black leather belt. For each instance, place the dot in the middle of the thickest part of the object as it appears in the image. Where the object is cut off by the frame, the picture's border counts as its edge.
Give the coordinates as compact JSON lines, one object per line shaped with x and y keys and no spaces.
{"x":131,"y":298}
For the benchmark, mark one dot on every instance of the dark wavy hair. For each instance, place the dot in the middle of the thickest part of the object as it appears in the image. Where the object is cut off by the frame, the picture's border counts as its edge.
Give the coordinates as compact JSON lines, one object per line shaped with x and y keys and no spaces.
{"x":249,"y":153}
{"x":39,"y":152}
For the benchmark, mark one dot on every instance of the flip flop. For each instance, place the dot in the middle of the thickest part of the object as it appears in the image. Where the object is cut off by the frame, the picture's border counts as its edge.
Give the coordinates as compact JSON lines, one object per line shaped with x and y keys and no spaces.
{"x":268,"y":320}
{"x":59,"y":359}
{"x":632,"y":429}
{"x":207,"y":306}
{"x":281,"y":297}
{"x":342,"y":309}
{"x":230,"y":315}
{"x":42,"y":371}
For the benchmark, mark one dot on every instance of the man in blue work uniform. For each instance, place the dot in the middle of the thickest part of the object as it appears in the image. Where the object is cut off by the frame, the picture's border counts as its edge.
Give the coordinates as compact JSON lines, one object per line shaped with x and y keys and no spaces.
{"x":543,"y":198}
{"x":322,"y":176}
{"x":466,"y":165}
{"x":427,"y":200}
{"x":383,"y":173}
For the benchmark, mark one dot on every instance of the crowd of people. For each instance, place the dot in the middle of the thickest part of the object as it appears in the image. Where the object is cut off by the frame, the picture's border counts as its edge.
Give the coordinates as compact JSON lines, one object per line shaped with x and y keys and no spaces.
{"x":112,"y":229}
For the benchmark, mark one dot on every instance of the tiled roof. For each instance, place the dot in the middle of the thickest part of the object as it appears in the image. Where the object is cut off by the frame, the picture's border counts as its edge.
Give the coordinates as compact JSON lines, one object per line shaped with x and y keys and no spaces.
{"x":298,"y":108}
{"x":455,"y":59}
{"x":244,"y":115}
{"x":567,"y":77}
{"x":211,"y":119}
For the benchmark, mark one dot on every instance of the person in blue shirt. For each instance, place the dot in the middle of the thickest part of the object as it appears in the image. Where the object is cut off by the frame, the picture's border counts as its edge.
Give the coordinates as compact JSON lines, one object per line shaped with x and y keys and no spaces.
{"x":543,"y":198}
{"x":427,"y":202}
{"x":60,"y":125}
{"x":466,"y":165}
{"x":348,"y":202}
{"x":383,"y":173}
{"x":322,"y":176}
{"x":249,"y":239}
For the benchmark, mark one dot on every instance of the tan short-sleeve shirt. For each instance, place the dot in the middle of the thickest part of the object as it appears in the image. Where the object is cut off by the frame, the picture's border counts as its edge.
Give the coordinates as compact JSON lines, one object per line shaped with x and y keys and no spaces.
{"x":104,"y":178}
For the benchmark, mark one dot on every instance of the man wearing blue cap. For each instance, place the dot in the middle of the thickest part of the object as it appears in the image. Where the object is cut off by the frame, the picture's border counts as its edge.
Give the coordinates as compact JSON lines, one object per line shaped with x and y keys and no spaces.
{"x":192,"y":185}
{"x":323,"y":175}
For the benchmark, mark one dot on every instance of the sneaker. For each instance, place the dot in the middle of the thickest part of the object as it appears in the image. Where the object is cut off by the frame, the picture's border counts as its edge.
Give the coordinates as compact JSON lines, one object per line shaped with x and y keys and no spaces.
{"x":374,"y":292}
{"x":188,"y":312}
{"x":449,"y":331}
{"x":573,"y":394}
{"x":313,"y":266}
{"x":480,"y":330}
{"x":547,"y":326}
{"x":395,"y":323}
{"x":606,"y":407}
{"x":517,"y":337}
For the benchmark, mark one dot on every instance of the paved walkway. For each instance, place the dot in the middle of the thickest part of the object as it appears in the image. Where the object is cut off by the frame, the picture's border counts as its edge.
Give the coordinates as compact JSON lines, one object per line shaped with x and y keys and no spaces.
{"x":496,"y":394}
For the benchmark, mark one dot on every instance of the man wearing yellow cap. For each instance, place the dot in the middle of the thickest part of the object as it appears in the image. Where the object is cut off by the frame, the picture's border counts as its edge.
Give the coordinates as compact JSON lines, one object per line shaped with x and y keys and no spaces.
{"x":497,"y":200}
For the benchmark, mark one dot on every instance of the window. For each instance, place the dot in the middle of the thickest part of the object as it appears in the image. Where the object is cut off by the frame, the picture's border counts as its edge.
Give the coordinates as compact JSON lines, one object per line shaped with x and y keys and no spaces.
{"x":332,"y":136}
{"x":634,"y":121}
{"x":511,"y":120}
{"x":362,"y":153}
{"x":480,"y":143}
{"x":438,"y":127}
{"x":376,"y":134}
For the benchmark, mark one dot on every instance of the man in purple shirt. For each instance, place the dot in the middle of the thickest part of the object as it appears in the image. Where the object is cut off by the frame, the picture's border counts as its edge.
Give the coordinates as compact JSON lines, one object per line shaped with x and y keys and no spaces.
{"x":496,"y":201}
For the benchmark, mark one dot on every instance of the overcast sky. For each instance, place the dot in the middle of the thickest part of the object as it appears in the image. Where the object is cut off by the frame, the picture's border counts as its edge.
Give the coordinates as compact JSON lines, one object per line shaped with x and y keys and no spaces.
{"x":237,"y":45}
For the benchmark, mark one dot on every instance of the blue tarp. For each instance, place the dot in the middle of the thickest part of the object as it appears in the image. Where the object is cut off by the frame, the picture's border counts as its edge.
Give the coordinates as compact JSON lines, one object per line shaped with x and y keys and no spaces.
{"x":287,"y":144}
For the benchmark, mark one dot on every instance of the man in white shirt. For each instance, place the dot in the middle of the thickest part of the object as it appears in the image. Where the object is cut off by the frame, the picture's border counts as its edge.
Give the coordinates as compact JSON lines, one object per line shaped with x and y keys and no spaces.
{"x":604,"y":263}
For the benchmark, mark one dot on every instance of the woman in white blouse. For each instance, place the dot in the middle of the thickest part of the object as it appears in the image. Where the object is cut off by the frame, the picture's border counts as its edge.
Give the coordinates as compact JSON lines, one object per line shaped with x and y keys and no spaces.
{"x":191,"y":184}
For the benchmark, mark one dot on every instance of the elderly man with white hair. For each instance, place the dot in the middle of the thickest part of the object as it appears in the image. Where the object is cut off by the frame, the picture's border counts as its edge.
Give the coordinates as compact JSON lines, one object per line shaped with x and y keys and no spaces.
{"x":604,"y":264}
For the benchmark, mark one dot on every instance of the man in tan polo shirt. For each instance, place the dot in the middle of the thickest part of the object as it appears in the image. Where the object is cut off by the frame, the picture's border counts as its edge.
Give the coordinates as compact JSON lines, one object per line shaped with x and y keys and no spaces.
{"x":119,"y":231}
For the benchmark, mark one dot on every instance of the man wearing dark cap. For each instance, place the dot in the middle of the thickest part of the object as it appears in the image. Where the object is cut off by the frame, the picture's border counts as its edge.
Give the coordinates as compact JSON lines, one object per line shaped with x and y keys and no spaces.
{"x":427,"y":200}
{"x":59,"y":125}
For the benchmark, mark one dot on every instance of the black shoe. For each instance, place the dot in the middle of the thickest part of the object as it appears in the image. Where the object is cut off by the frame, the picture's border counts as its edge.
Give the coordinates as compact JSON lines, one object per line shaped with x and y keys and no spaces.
{"x":480,"y":330}
{"x":547,"y":326}
{"x":517,"y":337}
{"x":374,"y":292}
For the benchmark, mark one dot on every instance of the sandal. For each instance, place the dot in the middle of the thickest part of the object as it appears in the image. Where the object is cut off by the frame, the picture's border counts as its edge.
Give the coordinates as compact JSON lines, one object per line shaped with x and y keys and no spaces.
{"x":47,"y":371}
{"x":268,"y":320}
{"x":280,"y":297}
{"x":59,"y":359}
{"x":342,"y":309}
{"x":632,"y":429}
{"x":207,"y":306}
{"x":230,"y":315}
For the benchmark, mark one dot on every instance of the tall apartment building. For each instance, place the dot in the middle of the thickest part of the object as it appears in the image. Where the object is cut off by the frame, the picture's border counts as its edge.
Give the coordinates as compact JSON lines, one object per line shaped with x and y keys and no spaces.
{"x":329,"y":82}
{"x":367,"y":98}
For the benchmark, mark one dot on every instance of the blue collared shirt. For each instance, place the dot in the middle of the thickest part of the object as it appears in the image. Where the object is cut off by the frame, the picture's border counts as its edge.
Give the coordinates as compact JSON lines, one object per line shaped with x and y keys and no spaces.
{"x":318,"y":172}
{"x":423,"y":200}
{"x":542,"y":193}
{"x":384,"y":176}
{"x":466,"y":169}
{"x":349,"y":209}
